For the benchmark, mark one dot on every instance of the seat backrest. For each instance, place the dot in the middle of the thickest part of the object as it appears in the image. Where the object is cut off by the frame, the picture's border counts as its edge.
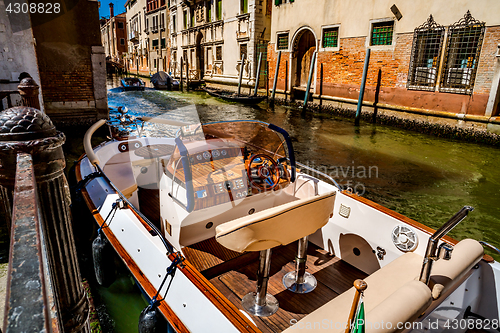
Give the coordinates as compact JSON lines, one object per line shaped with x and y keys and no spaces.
{"x":276,"y":226}
{"x":445,"y":273}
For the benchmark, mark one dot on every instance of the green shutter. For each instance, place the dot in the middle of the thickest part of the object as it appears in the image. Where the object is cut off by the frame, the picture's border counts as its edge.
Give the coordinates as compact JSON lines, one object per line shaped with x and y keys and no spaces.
{"x":277,"y":2}
{"x":291,"y":0}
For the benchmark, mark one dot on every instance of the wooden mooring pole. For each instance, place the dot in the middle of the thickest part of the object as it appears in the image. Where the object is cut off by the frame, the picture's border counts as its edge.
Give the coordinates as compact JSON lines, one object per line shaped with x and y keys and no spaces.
{"x":362,"y":88}
{"x":28,"y":130}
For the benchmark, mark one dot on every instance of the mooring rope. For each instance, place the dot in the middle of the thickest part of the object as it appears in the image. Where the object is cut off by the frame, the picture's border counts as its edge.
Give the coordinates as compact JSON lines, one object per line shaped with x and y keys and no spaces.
{"x":170,"y":272}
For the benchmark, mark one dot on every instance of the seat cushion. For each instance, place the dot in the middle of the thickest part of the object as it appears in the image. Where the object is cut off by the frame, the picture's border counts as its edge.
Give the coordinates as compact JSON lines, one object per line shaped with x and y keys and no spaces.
{"x":276,"y":226}
{"x":381,"y":285}
{"x":122,"y":177}
{"x":444,"y":273}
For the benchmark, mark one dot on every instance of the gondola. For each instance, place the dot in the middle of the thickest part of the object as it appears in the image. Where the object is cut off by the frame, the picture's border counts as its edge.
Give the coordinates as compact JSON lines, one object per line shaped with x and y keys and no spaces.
{"x":234,"y":97}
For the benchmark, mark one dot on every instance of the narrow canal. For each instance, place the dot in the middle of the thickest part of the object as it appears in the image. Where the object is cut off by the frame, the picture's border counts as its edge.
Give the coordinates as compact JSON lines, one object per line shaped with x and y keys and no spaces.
{"x":425,"y":178}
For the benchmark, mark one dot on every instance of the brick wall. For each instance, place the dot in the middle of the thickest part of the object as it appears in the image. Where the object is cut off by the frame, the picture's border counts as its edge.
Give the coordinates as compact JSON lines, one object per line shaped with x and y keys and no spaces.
{"x":272,"y":57}
{"x":69,"y":86}
{"x":487,"y":61}
{"x":343,"y":69}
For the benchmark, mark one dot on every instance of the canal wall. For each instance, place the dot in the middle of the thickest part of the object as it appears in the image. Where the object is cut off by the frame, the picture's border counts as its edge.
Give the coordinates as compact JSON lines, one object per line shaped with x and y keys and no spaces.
{"x":470,"y":128}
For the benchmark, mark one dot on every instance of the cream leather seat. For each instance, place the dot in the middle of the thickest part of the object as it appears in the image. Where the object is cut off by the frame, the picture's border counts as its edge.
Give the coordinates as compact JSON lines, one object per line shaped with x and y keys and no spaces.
{"x":394,"y":293}
{"x":269,"y":228}
{"x":276,"y":226}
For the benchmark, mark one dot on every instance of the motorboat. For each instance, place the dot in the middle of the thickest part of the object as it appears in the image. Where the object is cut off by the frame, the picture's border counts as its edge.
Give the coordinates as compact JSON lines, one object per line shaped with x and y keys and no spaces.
{"x":163,"y":81}
{"x":132,"y":83}
{"x":224,"y":231}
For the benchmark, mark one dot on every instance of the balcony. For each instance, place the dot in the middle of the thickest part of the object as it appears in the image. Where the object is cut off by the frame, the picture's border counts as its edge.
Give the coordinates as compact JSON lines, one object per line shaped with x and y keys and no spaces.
{"x":134,"y":36}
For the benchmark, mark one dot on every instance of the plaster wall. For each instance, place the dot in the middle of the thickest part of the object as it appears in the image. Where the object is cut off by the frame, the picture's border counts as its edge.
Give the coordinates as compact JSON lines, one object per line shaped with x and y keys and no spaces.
{"x":355,"y":16}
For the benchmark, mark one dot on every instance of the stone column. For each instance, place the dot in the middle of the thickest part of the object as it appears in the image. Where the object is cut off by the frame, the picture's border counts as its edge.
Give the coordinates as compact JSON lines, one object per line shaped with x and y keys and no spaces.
{"x":26,"y":129}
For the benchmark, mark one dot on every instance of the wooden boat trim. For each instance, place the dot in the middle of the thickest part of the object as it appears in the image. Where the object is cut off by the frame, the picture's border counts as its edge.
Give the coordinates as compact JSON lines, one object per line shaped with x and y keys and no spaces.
{"x":228,"y":309}
{"x":407,"y":220}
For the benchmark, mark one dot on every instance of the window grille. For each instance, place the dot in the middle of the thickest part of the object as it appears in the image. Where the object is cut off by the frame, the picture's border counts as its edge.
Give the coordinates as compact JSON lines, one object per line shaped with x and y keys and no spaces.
{"x":463,"y":48}
{"x":243,"y":50}
{"x":425,"y":55}
{"x":218,"y":53}
{"x":382,"y":33}
{"x":283,"y":41}
{"x":330,"y":37}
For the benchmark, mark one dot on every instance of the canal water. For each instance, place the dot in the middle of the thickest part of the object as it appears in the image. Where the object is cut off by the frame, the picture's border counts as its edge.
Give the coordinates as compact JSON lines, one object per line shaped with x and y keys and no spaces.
{"x":425,"y":178}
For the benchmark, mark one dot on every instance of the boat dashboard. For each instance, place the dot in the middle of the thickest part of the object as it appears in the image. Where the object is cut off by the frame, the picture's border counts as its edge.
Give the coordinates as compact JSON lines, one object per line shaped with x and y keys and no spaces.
{"x":223,"y":171}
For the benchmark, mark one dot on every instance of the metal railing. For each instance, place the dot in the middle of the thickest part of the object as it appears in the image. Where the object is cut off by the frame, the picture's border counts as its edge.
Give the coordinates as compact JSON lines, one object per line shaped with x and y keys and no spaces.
{"x":30,"y":304}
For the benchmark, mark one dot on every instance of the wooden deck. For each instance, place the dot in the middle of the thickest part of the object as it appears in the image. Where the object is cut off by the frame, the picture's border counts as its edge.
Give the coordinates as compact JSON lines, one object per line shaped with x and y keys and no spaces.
{"x":234,"y":274}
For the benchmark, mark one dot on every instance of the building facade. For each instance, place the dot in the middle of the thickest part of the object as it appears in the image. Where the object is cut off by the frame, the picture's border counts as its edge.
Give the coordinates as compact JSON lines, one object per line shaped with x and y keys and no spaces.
{"x":427,"y":57}
{"x":71,"y":64}
{"x":138,"y":55}
{"x":212,"y":36}
{"x":157,"y":34}
{"x":114,"y":36}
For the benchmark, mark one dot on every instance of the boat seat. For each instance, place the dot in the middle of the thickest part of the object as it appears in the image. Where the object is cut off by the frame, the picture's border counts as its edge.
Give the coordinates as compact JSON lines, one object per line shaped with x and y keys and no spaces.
{"x":276,"y":226}
{"x":121,"y":175}
{"x":444,"y":273}
{"x":391,"y":285}
{"x":269,"y":228}
{"x":119,"y":158}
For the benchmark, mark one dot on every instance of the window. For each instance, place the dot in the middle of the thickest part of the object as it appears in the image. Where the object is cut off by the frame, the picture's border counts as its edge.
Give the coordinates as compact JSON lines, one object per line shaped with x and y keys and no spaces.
{"x":162,"y":23}
{"x":122,"y":41}
{"x":185,"y":19}
{"x":381,"y":33}
{"x":155,"y":44}
{"x":330,"y":37}
{"x":209,"y":10}
{"x":463,"y":48}
{"x":279,"y":2}
{"x":425,"y":55}
{"x":174,"y":24}
{"x":192,"y":17}
{"x":218,"y":9}
{"x":283,"y":41}
{"x":120,"y":25}
{"x":218,"y":53}
{"x":163,"y":43}
{"x":243,"y":50}
{"x":154,"y":63}
{"x":243,"y":6}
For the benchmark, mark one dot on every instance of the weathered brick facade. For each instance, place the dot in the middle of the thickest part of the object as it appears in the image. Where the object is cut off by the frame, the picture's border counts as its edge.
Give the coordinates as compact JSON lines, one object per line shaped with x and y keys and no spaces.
{"x":343,"y":69}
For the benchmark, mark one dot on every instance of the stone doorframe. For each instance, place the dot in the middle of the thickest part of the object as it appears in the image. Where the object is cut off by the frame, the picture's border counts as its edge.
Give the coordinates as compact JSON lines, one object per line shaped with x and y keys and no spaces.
{"x":292,"y":63}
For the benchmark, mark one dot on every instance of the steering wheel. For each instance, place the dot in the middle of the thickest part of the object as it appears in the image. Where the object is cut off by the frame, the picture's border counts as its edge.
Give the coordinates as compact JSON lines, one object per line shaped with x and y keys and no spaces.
{"x":263,"y":172}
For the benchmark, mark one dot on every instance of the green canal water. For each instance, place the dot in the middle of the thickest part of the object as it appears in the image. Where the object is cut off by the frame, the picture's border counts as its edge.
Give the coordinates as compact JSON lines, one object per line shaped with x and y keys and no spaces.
{"x":425,"y":178}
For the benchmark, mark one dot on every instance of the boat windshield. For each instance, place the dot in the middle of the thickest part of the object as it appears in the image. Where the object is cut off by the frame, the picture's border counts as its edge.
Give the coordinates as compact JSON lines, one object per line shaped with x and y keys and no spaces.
{"x":232,"y":159}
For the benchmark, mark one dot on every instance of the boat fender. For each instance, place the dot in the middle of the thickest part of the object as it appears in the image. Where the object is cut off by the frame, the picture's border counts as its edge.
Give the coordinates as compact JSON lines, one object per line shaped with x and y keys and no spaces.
{"x":103,"y":257}
{"x":151,"y":321}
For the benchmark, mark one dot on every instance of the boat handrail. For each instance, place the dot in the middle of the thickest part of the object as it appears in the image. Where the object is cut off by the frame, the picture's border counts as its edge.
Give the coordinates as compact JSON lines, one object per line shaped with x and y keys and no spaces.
{"x":87,"y":141}
{"x":95,"y":161}
{"x":489,"y":246}
{"x":319,"y":173}
{"x":432,"y":245}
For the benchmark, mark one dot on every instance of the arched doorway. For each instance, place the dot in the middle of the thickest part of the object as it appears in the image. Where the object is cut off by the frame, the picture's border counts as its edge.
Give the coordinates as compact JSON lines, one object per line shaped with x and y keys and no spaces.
{"x":200,"y":59}
{"x":303,"y":49}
